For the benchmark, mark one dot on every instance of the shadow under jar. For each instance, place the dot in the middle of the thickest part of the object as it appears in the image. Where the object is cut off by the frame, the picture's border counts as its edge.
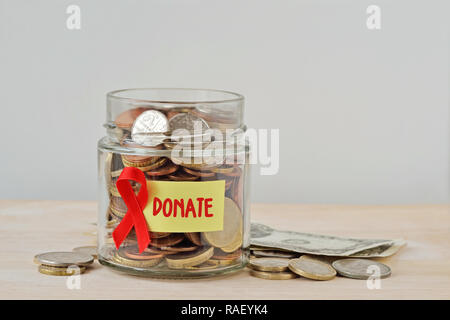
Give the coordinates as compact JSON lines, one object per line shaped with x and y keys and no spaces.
{"x":173,"y":183}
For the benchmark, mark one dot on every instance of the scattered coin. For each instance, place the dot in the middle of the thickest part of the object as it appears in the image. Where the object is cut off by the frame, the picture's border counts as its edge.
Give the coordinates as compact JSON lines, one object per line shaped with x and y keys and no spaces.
{"x":92,"y":250}
{"x":269,"y":264}
{"x":312,"y":269}
{"x":189,"y":259}
{"x":63,"y":259}
{"x":61,"y":271}
{"x":360,"y":268}
{"x":273,"y":275}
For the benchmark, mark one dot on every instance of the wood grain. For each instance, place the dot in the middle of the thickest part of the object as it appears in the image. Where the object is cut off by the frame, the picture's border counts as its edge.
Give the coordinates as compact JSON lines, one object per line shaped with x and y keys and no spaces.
{"x":421,"y":270}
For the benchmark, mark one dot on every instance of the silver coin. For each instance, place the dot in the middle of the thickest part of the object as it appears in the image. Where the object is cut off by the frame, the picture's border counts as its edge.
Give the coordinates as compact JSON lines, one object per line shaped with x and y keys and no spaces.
{"x":149,"y":122}
{"x":188,"y":130}
{"x":187,"y":121}
{"x":91,"y":250}
{"x":361,"y":268}
{"x":64,"y":259}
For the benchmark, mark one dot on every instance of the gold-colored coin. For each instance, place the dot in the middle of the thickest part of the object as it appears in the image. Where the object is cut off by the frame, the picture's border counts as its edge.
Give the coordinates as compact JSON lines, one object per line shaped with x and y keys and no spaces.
{"x":273,"y":275}
{"x":223,"y":169}
{"x":160,"y":162}
{"x":61,"y":271}
{"x":221,"y":262}
{"x":207,"y":265}
{"x":189,"y":259}
{"x":149,"y":261}
{"x":269,"y":264}
{"x":236,"y":244}
{"x":312,"y":269}
{"x":232,"y":226}
{"x":139,"y":164}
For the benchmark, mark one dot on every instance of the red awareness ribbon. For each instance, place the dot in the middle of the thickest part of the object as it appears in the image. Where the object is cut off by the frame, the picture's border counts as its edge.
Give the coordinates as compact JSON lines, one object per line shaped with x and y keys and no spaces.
{"x":134,"y":216}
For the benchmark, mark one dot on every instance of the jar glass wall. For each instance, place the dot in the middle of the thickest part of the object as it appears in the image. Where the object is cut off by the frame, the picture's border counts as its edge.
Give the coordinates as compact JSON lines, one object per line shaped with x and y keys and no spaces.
{"x":175,"y":163}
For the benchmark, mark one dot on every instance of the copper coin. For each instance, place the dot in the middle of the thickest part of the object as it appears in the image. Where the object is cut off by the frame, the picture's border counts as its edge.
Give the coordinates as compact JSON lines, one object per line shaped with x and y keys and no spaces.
{"x":159,"y":251}
{"x":157,"y":235}
{"x":204,"y":174}
{"x":168,"y":241}
{"x":194,"y":237}
{"x":162,"y":171}
{"x":125,"y":119}
{"x":182,"y":176}
{"x":138,"y":159}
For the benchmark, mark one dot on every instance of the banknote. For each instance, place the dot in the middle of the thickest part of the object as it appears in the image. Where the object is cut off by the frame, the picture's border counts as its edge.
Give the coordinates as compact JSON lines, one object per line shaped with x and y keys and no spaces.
{"x":263,"y":236}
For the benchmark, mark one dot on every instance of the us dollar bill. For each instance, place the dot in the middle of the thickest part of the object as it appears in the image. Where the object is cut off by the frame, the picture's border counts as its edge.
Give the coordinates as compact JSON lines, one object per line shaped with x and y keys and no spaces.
{"x":263,"y":236}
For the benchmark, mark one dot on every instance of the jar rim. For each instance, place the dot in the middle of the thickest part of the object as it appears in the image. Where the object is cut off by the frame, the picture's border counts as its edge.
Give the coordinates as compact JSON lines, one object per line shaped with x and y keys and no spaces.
{"x":122,"y":95}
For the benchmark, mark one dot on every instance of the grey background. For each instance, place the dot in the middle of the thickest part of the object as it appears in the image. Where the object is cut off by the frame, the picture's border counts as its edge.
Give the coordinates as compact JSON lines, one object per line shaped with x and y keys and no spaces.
{"x":363,"y":115}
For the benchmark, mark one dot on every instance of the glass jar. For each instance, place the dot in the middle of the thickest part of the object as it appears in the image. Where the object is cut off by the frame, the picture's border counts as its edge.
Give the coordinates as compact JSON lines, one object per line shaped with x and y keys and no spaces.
{"x":173,"y":183}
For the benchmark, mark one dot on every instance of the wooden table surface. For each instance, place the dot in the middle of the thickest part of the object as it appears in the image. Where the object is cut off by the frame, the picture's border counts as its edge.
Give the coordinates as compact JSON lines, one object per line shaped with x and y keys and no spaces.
{"x":421,"y":270}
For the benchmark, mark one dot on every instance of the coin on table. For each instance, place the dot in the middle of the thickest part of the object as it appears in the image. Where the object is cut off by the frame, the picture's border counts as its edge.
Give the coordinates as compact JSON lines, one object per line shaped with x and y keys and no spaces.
{"x":232,"y":226}
{"x":64,"y":259}
{"x":189,"y":259}
{"x":61,"y":271}
{"x":273,"y":275}
{"x":361,"y":268}
{"x":312,"y":269}
{"x":274,"y":254}
{"x":92,"y":250}
{"x":269,"y":264}
{"x":148,"y":122}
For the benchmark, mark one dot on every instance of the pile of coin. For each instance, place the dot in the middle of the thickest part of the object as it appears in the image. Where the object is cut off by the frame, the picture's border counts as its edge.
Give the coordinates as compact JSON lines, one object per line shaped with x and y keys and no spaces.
{"x":151,"y":134}
{"x":315,"y":268}
{"x":64,"y":263}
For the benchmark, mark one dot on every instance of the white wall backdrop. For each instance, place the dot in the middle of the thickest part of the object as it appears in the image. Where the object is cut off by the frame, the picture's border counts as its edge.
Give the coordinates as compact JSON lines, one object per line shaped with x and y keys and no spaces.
{"x":363,"y":114}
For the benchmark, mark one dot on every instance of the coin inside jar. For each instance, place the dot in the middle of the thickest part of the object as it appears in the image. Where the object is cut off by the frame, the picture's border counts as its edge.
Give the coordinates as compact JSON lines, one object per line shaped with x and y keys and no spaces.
{"x":189,"y":259}
{"x":232,"y":226}
{"x":171,"y":240}
{"x":148,"y":122}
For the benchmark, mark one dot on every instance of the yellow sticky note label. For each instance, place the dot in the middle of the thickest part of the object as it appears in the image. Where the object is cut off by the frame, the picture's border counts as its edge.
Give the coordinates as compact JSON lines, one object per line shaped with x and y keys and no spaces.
{"x":185,"y":206}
